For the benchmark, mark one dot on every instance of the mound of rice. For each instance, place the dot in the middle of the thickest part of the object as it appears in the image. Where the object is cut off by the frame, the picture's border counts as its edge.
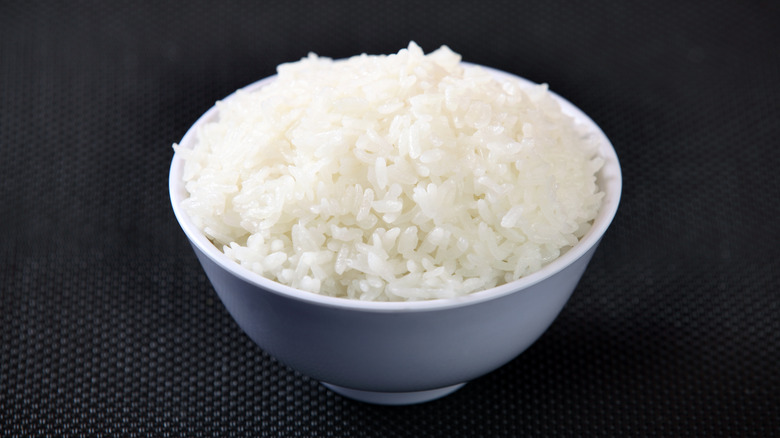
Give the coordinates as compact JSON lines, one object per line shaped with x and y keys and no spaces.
{"x":392,"y":177}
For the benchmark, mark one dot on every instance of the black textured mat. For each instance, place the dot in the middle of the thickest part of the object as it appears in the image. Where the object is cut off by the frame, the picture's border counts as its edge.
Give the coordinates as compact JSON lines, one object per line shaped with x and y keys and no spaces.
{"x":108,"y":326}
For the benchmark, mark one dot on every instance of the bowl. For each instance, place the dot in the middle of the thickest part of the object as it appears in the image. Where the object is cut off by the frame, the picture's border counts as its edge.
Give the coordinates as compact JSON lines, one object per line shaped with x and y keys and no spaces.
{"x":396,"y":353}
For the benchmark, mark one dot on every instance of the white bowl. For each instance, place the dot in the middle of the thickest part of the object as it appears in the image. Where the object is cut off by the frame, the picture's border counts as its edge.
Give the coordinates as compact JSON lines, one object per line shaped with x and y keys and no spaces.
{"x":398,"y":352}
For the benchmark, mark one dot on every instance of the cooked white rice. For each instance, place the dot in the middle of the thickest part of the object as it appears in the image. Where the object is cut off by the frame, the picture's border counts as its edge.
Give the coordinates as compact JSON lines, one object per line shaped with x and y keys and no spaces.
{"x":387,"y":178}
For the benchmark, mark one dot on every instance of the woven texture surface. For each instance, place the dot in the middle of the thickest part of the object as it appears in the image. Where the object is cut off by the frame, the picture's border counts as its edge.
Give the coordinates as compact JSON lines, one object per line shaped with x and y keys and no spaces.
{"x":109,"y":327}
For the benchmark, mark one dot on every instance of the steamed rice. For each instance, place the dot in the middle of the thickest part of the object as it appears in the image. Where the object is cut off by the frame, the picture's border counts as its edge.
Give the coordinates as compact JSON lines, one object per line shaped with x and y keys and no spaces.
{"x":398,"y":177}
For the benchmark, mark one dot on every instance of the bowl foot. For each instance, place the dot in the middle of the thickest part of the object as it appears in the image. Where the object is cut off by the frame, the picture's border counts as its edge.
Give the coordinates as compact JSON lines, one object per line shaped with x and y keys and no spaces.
{"x":393,"y":398}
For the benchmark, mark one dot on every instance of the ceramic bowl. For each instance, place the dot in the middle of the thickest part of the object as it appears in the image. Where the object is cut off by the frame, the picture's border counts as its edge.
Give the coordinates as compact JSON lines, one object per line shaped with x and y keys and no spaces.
{"x":398,"y":352}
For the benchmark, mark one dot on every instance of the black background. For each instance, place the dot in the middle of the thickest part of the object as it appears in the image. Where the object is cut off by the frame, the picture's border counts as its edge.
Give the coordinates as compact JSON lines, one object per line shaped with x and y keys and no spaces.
{"x":108,"y":326}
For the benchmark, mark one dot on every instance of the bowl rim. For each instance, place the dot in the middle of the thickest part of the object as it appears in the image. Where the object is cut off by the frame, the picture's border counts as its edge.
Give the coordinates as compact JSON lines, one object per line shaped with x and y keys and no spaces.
{"x":609,"y":177}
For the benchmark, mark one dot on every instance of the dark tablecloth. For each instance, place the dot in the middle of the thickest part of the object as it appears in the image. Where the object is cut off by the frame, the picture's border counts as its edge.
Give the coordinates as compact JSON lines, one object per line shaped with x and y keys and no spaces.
{"x":109,"y":327}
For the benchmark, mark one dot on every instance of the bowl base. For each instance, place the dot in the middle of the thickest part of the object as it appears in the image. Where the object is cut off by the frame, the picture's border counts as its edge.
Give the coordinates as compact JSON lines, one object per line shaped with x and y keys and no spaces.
{"x":393,"y":398}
